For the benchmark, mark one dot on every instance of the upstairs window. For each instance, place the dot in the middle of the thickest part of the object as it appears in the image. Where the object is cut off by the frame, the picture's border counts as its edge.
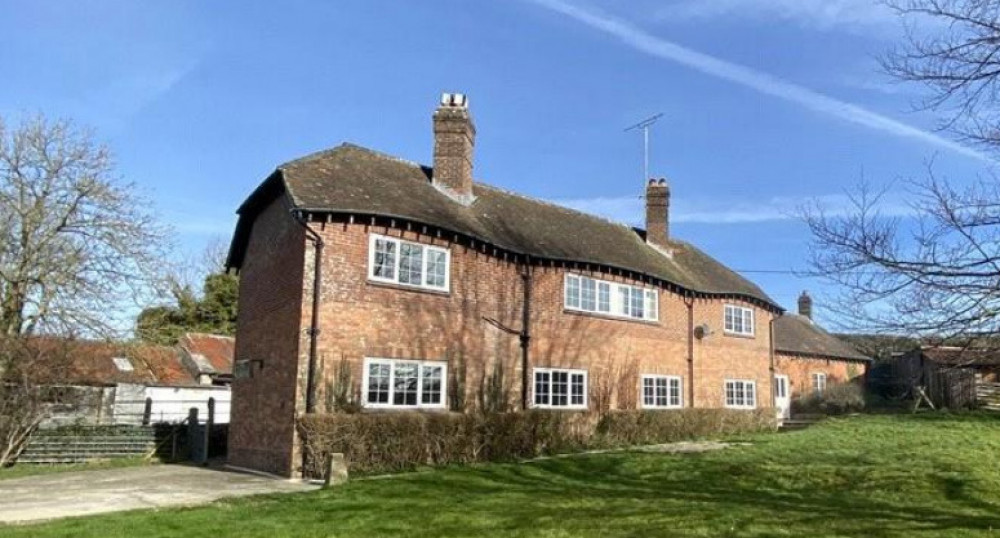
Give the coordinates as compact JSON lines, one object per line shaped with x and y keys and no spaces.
{"x":410,"y":264}
{"x":560,"y":388}
{"x":739,"y":320}
{"x":741,"y":394}
{"x":661,"y":391}
{"x":586,"y":294}
{"x":404,"y":383}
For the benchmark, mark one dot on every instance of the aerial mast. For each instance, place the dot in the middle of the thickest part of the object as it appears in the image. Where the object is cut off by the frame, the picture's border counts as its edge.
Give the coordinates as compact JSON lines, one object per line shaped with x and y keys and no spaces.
{"x":645,"y":125}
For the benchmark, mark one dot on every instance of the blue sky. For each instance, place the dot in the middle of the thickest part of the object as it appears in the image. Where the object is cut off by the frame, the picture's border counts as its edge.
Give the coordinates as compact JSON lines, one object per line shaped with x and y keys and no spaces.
{"x":767,"y":103}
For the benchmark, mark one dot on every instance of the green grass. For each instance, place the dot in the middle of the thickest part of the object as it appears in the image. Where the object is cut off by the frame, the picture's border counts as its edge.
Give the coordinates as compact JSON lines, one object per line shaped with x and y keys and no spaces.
{"x":871,"y":476}
{"x":32,"y":469}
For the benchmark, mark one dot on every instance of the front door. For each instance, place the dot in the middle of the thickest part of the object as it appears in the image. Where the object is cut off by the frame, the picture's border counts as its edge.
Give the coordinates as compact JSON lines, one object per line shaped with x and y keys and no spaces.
{"x":781,"y":400}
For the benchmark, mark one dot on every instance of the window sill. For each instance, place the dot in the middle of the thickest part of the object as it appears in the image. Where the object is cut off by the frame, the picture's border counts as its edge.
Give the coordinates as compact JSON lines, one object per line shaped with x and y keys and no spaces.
{"x":662,"y":407}
{"x":406,"y":287}
{"x":610,"y":317}
{"x":740,"y":407}
{"x":368,"y":408}
{"x":577,"y":408}
{"x":739,"y":335}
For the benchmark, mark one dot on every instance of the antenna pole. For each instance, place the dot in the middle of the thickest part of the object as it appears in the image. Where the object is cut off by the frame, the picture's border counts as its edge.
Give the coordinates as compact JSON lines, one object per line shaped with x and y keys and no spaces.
{"x":645,"y":125}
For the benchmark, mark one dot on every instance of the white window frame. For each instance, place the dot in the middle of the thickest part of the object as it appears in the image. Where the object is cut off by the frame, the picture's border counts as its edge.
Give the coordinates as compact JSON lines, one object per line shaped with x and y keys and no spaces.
{"x":617,"y":306}
{"x":399,"y":257}
{"x":392,"y":383}
{"x":747,"y":320}
{"x":744,"y":404}
{"x":819,"y":383}
{"x":668,"y":379}
{"x":569,"y":389}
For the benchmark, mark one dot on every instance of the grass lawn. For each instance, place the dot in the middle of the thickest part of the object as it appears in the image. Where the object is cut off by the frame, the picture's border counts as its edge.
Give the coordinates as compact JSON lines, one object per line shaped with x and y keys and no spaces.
{"x":28,"y":469}
{"x":871,"y":476}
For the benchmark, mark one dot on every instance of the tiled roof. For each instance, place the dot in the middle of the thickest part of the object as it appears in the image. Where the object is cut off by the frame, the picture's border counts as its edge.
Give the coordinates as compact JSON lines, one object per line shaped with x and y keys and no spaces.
{"x":960,"y":356}
{"x":212,"y":353}
{"x":87,"y":362}
{"x":800,"y":336}
{"x":355,"y":180}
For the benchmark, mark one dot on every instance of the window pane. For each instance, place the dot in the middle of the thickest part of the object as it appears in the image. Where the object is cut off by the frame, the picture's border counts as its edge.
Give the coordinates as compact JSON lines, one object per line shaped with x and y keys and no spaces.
{"x":751,"y":399}
{"x":573,"y":292}
{"x":431,"y":388}
{"x":542,"y":388}
{"x":437,"y":262}
{"x":385,"y":259}
{"x":730,"y":393}
{"x":588,"y":294}
{"x":675,"y":391}
{"x":624,"y":297}
{"x":560,"y":389}
{"x":404,"y":390}
{"x":577,"y":389}
{"x":603,"y":297}
{"x":411,"y":264}
{"x":637,"y":303}
{"x":748,"y":321}
{"x":378,"y":383}
{"x":648,"y":394}
{"x":651,"y":306}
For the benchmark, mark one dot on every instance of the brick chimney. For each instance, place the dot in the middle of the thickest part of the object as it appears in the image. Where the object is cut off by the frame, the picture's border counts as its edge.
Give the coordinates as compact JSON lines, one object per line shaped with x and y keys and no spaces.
{"x":658,"y":212}
{"x":454,"y":138}
{"x":806,"y":305}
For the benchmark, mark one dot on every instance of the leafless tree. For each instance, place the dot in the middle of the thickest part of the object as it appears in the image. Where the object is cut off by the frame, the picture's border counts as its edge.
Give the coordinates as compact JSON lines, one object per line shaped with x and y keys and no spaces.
{"x":76,"y":243}
{"x":934,"y":274}
{"x":952,"y":47}
{"x":77,"y":246}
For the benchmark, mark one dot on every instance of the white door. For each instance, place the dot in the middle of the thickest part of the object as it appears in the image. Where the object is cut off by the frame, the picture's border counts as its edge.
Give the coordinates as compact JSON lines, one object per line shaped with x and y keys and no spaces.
{"x":781,"y":399}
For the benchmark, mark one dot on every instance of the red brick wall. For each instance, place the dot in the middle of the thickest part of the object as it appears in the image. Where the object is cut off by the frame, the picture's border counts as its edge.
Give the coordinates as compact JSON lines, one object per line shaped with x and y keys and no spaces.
{"x":366,"y":319}
{"x":261,"y":431}
{"x":362,"y":319}
{"x":799,"y":370}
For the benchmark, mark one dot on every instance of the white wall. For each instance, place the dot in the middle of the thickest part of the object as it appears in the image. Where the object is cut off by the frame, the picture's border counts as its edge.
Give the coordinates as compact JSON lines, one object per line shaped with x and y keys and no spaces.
{"x":170,"y":404}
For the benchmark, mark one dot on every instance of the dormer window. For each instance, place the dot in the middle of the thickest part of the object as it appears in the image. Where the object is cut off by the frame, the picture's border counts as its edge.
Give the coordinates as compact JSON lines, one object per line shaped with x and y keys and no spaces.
{"x":406,"y":263}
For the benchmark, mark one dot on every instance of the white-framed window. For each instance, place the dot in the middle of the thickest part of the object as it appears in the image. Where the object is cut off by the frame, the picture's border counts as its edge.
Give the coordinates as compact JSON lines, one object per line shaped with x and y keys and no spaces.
{"x":410,"y":264}
{"x":560,"y":388}
{"x":661,"y":392}
{"x":739,"y":320}
{"x":405,"y":383}
{"x":819,"y":383}
{"x":741,"y":394}
{"x":585,"y":294}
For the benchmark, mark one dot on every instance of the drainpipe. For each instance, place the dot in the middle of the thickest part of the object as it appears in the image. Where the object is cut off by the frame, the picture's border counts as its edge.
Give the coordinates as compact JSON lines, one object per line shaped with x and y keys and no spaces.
{"x":317,"y":242}
{"x":689,"y":303}
{"x":525,"y":334}
{"x":770,"y":331}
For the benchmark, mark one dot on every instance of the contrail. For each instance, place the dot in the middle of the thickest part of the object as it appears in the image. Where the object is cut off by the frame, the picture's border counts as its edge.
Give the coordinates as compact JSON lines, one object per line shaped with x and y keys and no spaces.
{"x":760,"y":81}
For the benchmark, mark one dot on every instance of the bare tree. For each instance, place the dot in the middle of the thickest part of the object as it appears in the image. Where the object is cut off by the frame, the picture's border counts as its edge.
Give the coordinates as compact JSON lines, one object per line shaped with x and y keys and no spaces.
{"x":76,"y":243}
{"x":954,"y":51}
{"x":934,"y":275}
{"x":937,"y":276}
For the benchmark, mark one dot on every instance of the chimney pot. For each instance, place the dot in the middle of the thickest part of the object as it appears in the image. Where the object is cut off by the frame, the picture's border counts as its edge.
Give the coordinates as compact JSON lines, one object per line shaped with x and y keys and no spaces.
{"x":454,"y":140}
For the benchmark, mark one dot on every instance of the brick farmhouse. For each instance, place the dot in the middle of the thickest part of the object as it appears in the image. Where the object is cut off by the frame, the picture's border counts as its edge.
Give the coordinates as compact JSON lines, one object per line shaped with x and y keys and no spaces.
{"x":371,"y":282}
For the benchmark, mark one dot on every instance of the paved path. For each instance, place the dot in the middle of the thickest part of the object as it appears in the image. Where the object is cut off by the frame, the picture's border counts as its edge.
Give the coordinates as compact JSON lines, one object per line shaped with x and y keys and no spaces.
{"x":80,"y":493}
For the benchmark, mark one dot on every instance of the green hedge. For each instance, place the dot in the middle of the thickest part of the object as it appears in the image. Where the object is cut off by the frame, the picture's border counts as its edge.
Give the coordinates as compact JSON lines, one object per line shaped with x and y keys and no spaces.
{"x":391,"y":442}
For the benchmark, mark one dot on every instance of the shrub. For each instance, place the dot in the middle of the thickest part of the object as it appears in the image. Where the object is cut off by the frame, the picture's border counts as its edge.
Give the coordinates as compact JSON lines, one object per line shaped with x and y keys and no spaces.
{"x":392,"y":442}
{"x":837,"y":399}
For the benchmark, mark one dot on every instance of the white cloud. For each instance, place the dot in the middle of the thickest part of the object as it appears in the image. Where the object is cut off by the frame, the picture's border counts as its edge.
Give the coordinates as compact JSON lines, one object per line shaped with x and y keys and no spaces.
{"x":760,"y":81}
{"x":852,"y":15}
{"x":630,"y":210}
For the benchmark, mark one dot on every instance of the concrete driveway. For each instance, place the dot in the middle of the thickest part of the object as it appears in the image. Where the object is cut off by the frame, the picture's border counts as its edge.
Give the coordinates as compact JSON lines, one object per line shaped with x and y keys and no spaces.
{"x":111,"y":490}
